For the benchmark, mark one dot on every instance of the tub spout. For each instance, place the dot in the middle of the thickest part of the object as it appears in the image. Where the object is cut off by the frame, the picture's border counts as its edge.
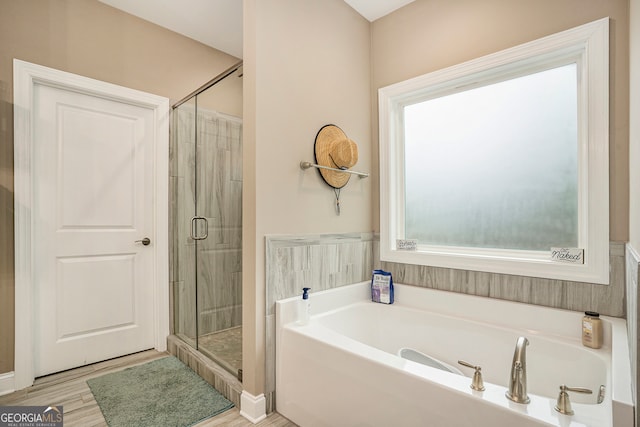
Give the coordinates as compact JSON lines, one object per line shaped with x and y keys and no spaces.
{"x":518,"y":378}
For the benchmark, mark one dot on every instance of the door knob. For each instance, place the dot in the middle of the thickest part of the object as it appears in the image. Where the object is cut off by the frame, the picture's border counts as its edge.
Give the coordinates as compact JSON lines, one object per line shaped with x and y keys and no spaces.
{"x":144,"y":241}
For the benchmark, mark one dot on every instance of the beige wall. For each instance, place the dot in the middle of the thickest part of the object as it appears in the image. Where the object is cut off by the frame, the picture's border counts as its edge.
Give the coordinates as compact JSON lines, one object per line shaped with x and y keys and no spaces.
{"x":88,"y":38}
{"x":428,"y":35}
{"x":306,"y":65}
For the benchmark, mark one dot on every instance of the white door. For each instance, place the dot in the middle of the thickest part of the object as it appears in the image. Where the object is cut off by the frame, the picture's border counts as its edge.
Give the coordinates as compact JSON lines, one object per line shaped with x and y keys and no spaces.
{"x":93,"y":204}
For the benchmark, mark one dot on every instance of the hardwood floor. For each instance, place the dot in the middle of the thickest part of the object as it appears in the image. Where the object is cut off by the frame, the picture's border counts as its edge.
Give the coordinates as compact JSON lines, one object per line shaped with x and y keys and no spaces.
{"x":70,"y":390}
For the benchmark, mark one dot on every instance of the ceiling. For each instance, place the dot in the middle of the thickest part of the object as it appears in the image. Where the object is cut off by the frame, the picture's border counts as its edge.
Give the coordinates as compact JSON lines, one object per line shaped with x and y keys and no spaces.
{"x":218,"y":23}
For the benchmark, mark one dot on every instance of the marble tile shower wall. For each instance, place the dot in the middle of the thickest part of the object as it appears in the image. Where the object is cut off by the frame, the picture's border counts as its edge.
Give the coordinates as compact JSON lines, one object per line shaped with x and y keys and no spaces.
{"x":328,"y":261}
{"x":212,"y":170}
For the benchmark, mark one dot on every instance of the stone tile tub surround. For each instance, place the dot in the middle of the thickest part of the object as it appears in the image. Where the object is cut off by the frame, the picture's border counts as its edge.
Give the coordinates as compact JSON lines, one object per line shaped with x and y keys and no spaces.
{"x":328,"y":261}
{"x":316,"y":261}
{"x":577,"y":296}
{"x":476,"y":329}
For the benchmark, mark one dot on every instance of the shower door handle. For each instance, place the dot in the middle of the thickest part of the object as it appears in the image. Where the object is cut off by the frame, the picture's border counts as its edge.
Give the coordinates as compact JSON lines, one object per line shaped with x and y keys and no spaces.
{"x":194,"y":226}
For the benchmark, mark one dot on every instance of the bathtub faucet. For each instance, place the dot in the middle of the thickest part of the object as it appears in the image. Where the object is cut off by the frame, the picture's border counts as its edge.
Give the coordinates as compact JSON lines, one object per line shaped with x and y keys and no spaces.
{"x":518,"y":378}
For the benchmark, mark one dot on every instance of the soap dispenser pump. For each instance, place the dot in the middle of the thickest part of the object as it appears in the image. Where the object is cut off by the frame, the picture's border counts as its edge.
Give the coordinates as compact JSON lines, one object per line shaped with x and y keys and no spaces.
{"x":304,"y":310}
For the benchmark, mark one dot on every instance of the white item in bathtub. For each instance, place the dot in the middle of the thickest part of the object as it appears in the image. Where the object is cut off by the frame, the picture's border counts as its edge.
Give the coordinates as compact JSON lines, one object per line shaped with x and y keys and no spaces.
{"x":304,"y":309}
{"x":382,"y":287}
{"x":416,"y":356}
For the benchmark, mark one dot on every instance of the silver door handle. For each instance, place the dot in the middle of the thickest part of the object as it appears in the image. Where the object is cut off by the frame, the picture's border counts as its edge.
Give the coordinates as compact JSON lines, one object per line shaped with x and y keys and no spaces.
{"x":194,"y":222}
{"x":146,"y":241}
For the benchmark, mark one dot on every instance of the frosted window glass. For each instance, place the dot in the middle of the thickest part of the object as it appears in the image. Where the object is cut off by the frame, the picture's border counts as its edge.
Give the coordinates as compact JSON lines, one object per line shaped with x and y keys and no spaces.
{"x":495,"y":166}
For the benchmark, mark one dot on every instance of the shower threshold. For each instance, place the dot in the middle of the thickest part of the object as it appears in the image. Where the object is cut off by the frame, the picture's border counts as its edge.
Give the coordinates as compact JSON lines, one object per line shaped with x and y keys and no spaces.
{"x":223,"y":348}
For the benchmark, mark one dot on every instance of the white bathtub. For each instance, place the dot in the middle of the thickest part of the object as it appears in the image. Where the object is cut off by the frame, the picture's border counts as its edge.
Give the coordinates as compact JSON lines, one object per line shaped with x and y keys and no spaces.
{"x":342,"y":369}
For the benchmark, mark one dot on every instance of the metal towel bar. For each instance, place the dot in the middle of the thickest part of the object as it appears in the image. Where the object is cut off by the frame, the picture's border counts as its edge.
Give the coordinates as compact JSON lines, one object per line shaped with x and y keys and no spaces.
{"x":307,"y":165}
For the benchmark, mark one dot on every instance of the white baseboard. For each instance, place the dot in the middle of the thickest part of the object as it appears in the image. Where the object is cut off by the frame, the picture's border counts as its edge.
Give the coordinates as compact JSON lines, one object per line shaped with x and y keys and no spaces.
{"x":253,"y":408}
{"x":7,"y":383}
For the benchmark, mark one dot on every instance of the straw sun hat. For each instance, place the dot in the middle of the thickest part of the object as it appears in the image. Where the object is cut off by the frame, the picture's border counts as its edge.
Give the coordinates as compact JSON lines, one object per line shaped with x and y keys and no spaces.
{"x":333,"y":149}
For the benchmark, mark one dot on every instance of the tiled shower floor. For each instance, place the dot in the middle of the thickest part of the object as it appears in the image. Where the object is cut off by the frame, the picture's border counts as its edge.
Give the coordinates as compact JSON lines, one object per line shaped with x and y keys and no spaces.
{"x":224,"y":347}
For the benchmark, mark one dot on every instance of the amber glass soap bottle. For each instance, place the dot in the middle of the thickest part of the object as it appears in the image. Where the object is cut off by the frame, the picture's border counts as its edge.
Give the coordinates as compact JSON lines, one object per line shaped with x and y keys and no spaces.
{"x":592,"y":329}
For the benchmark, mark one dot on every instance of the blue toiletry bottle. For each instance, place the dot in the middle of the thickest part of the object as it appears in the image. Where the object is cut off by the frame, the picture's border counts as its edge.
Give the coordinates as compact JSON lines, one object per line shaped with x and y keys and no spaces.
{"x":382,"y":287}
{"x":304,"y":310}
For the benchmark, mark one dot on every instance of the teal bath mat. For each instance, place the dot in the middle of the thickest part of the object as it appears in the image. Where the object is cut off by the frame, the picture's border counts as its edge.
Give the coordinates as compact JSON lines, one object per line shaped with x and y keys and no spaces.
{"x":164,"y":392}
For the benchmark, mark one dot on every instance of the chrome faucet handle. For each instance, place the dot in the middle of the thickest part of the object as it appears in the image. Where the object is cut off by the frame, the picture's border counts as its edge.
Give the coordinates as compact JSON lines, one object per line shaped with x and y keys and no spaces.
{"x":564,"y":404}
{"x":476,"y":383}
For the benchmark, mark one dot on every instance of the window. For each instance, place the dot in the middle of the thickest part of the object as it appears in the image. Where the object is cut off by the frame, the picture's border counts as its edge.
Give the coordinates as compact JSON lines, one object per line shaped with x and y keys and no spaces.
{"x":490,"y":164}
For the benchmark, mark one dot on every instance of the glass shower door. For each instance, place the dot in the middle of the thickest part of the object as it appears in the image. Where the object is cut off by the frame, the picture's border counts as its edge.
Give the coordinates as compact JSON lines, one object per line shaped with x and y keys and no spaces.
{"x":219,"y":256}
{"x":183,"y":176}
{"x":210,"y":223}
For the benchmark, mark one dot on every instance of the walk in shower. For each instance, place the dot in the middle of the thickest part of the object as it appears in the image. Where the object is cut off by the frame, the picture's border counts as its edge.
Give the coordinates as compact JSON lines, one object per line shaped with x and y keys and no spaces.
{"x":206,"y":219}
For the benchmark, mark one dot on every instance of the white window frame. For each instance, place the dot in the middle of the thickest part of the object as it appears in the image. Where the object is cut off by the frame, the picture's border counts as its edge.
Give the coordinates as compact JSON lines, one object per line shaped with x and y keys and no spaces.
{"x":588,"y":47}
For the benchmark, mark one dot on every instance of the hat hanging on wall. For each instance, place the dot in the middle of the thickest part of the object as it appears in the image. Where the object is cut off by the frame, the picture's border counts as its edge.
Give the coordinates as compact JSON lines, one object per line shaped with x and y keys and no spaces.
{"x":335,"y":154}
{"x":333,"y":149}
